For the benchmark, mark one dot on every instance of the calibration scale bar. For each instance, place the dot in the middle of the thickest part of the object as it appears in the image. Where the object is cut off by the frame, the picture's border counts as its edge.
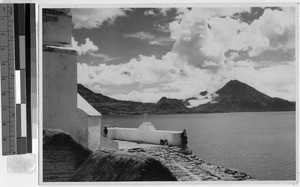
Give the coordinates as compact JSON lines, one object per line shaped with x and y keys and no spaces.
{"x":7,"y":79}
{"x":16,"y":45}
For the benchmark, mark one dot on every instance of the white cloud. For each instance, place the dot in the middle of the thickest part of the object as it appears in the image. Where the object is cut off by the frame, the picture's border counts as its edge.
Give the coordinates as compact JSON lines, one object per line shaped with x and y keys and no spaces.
{"x":197,"y":61}
{"x":89,"y":48}
{"x":139,"y":35}
{"x":164,"y":11}
{"x":161,"y":41}
{"x":273,"y":30}
{"x":154,"y":42}
{"x":275,"y":81}
{"x":139,"y":96}
{"x":143,"y":70}
{"x":202,"y":35}
{"x":99,"y":89}
{"x":162,"y":28}
{"x":92,"y":18}
{"x":149,"y":13}
{"x":151,"y":39}
{"x":166,"y":75}
{"x":104,"y":57}
{"x":85,"y":73}
{"x":82,"y":49}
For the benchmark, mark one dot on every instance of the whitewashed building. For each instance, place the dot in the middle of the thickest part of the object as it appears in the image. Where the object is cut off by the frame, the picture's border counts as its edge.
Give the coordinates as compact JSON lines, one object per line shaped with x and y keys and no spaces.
{"x":63,"y":107}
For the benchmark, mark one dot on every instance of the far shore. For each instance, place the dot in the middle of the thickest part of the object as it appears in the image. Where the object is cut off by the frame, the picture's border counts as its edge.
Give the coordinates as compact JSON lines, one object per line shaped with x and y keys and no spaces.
{"x":139,"y":114}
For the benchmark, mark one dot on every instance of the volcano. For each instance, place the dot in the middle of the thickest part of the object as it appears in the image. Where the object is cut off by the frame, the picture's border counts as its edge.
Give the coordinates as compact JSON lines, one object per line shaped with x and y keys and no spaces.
{"x":237,"y":96}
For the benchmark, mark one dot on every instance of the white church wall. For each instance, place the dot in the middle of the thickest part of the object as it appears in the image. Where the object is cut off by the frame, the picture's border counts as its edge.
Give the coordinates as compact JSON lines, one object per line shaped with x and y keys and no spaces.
{"x":63,"y":107}
{"x":60,"y":93}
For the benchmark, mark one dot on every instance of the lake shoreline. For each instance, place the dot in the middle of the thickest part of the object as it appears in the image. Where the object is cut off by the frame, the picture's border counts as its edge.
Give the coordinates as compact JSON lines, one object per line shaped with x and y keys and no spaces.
{"x":244,"y":141}
{"x":139,"y":114}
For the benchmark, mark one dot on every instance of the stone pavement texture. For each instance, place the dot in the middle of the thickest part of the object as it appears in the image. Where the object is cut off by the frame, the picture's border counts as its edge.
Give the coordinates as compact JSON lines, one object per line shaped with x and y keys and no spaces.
{"x":188,"y":167}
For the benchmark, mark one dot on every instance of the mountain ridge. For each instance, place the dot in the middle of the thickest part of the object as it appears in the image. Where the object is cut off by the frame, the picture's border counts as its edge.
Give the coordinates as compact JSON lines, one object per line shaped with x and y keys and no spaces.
{"x":234,"y":96}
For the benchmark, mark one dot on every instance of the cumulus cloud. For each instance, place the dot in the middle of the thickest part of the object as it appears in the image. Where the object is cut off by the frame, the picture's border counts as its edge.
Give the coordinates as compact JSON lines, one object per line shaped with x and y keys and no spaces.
{"x":162,"y":28}
{"x":82,"y":49}
{"x":172,"y":79}
{"x":211,"y":47}
{"x":203,"y":34}
{"x":206,"y":34}
{"x":92,"y":18}
{"x":142,"y":70}
{"x":272,"y":31}
{"x":89,"y":48}
{"x":149,"y":13}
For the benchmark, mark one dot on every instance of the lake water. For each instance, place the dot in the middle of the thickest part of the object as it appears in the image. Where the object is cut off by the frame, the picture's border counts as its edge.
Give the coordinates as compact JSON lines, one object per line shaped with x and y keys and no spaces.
{"x":262,"y":144}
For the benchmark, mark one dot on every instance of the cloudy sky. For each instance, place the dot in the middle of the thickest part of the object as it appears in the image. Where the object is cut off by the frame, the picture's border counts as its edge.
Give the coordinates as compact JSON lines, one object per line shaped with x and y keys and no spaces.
{"x":142,"y":54}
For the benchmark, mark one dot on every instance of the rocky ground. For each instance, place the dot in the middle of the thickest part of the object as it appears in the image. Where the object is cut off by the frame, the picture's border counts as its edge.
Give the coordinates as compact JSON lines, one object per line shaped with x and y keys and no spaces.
{"x":188,"y":167}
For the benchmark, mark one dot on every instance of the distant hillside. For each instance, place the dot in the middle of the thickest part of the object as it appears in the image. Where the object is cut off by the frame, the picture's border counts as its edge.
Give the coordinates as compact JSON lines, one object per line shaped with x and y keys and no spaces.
{"x":172,"y":105}
{"x":109,"y":106}
{"x":235,"y":96}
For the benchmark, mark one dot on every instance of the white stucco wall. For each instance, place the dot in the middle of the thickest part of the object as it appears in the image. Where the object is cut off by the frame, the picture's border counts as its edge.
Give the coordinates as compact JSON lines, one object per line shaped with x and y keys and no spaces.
{"x":128,"y":134}
{"x":145,"y":133}
{"x":60,"y":93}
{"x":92,"y":118}
{"x":94,"y":132}
{"x":91,"y":138}
{"x":63,"y":108}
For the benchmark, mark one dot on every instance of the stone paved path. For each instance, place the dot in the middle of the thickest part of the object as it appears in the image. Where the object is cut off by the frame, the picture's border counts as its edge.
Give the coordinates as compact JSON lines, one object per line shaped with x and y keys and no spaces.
{"x":188,"y":167}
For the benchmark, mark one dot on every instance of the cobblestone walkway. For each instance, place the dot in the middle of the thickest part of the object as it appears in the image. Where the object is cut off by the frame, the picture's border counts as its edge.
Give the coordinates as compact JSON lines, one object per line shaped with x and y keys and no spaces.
{"x":188,"y":167}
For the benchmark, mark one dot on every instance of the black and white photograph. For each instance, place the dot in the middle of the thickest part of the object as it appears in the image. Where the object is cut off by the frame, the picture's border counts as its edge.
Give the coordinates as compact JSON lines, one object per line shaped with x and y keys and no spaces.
{"x":194,"y":93}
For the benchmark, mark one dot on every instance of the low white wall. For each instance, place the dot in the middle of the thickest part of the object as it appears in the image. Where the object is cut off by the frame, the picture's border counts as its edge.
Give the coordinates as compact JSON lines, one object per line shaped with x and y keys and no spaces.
{"x":145,"y":133}
{"x":127,"y":134}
